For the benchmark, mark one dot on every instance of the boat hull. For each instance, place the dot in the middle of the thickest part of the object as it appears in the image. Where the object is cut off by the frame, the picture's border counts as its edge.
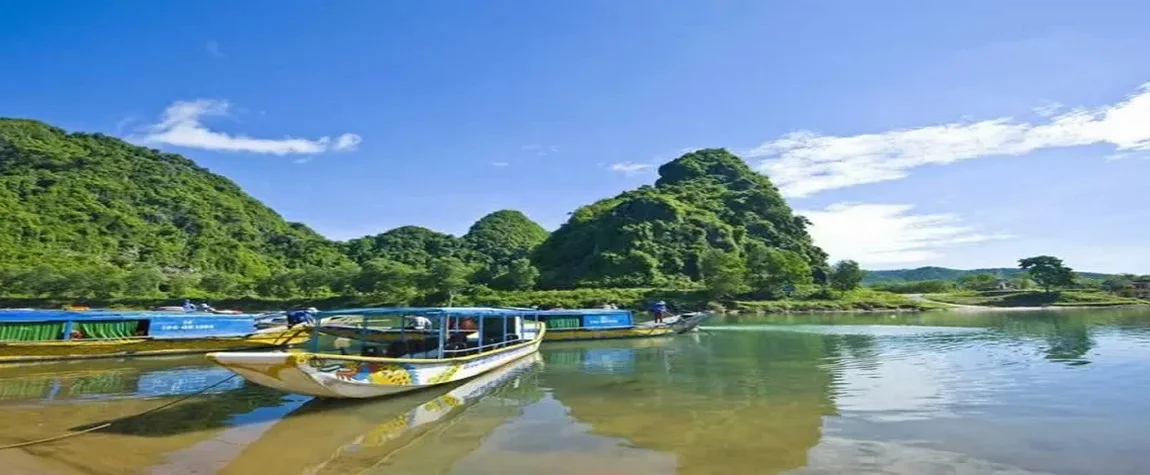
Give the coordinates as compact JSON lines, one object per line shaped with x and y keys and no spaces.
{"x":613,"y":334}
{"x":33,"y":351}
{"x":337,"y":376}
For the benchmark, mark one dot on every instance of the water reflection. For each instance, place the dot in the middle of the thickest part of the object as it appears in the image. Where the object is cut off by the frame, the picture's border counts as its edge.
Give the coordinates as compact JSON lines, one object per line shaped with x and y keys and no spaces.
{"x":727,"y":405}
{"x":1003,"y":392}
{"x":329,"y":436}
{"x":110,"y":378}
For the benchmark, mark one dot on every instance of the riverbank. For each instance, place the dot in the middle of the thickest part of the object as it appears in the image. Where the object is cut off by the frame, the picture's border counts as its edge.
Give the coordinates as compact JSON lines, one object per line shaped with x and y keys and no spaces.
{"x":1028,"y":300}
{"x":858,"y":300}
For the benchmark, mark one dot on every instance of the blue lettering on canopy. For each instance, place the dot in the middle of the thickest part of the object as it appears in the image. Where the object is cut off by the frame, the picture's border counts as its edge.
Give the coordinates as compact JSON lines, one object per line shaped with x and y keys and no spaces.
{"x":176,"y":326}
{"x":607,"y":320}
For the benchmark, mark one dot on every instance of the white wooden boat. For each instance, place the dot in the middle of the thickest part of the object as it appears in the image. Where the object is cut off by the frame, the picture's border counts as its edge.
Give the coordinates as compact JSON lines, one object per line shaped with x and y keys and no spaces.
{"x":488,"y":339}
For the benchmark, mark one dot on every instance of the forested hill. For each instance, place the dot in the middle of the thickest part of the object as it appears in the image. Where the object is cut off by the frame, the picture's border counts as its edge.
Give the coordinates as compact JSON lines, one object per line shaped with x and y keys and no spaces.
{"x":946,"y":274}
{"x":704,"y":201}
{"x":78,"y":200}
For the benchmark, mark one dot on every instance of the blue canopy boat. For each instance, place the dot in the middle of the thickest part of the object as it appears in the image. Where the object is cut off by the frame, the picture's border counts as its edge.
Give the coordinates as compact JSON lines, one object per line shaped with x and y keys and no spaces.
{"x":44,"y":335}
{"x":450,"y":344}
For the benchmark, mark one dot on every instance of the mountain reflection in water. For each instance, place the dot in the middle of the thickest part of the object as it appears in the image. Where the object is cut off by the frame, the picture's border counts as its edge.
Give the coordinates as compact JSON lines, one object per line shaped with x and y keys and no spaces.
{"x":1004,"y":392}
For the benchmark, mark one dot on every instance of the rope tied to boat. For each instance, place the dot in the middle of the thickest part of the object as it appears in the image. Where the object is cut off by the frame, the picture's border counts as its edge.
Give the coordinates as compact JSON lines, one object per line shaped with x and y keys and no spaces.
{"x":105,"y":425}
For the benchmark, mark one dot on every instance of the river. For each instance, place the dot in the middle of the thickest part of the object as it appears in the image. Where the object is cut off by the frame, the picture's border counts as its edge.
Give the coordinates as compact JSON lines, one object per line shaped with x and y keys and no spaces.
{"x":1062,"y":392}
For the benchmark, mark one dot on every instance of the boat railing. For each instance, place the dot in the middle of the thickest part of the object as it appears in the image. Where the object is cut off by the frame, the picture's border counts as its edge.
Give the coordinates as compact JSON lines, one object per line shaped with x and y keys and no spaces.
{"x":452,"y":332}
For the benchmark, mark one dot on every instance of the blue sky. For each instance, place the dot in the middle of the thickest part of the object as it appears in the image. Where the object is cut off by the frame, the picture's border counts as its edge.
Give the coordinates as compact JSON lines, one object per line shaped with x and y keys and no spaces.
{"x":963,"y":134}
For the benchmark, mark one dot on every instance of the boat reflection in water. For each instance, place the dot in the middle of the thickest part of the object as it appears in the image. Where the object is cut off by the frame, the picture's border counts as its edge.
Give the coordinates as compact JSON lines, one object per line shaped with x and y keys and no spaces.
{"x":111,"y":379}
{"x":343,"y":436}
{"x":49,"y":399}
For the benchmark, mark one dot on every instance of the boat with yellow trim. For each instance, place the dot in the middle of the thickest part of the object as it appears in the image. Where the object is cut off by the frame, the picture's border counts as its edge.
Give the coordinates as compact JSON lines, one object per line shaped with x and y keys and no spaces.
{"x":455,"y":344}
{"x":49,"y":335}
{"x":562,"y":325}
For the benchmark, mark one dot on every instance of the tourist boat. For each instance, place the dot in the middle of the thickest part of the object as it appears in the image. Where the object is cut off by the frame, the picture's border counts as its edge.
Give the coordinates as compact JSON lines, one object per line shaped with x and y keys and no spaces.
{"x":606,"y":324}
{"x":562,"y":325}
{"x":460,"y":343}
{"x":43,"y":335}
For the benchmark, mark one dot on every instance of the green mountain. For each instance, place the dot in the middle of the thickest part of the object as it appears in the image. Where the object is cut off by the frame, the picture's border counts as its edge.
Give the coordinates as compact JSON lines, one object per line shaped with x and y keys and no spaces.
{"x":495,"y":249}
{"x":943,"y":273}
{"x":412,"y":245}
{"x":504,"y":236}
{"x":657,"y":235}
{"x":77,"y":200}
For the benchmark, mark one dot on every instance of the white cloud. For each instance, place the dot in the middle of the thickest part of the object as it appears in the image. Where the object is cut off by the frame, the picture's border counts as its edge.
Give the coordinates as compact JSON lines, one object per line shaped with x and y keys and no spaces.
{"x":804,"y":162}
{"x":214,"y":49}
{"x":346,"y":142}
{"x":630,"y":168}
{"x":181,"y":126}
{"x":1049,"y":109}
{"x":873,"y":233}
{"x":500,"y":164}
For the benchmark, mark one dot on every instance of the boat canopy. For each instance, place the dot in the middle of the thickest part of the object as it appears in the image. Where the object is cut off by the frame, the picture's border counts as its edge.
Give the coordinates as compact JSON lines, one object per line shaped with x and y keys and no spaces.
{"x":590,"y":319}
{"x":430,"y":312}
{"x":102,"y":315}
{"x":46,"y":325}
{"x":453,"y":331}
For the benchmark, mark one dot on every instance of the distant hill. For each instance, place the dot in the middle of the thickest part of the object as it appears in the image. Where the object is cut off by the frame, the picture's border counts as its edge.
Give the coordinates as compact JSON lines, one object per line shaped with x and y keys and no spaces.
{"x":943,"y":273}
{"x":78,"y":200}
{"x":656,"y":235}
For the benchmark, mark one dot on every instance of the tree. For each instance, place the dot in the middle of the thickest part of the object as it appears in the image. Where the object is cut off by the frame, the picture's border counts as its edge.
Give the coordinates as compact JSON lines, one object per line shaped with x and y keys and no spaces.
{"x":1118,"y":283}
{"x":143,"y":281}
{"x":724,"y":274}
{"x":388,"y":279}
{"x":519,"y":275}
{"x":770,"y":269}
{"x":1022,"y":282}
{"x":846,"y":275}
{"x":447,"y":277}
{"x":1047,"y":271}
{"x":979,"y":281}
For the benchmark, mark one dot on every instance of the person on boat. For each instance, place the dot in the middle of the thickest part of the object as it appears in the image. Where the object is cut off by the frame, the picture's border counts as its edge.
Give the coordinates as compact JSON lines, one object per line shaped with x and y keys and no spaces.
{"x":204,"y":307}
{"x":189,"y":306}
{"x":419,"y":322}
{"x":660,"y":311}
{"x":296,"y":317}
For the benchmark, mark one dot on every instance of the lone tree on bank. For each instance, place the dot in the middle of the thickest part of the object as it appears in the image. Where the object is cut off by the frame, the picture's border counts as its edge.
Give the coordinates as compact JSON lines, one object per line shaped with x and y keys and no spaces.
{"x":1047,"y":271}
{"x":846,"y":275}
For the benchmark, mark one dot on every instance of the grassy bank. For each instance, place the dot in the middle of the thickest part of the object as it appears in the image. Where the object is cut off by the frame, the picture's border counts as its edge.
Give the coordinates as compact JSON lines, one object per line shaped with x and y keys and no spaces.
{"x":852,"y":301}
{"x":1035,"y":298}
{"x":805,"y":300}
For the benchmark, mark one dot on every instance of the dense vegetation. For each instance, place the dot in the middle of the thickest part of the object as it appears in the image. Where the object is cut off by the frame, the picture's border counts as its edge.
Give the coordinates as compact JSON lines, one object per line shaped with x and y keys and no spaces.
{"x":1060,"y":285}
{"x":704,"y":204}
{"x":920,"y":274}
{"x":91,"y":213}
{"x":90,"y":218}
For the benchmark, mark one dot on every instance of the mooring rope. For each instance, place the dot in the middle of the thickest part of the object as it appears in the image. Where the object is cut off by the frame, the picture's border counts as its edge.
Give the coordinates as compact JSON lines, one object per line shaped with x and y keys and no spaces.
{"x":278,"y":342}
{"x":109,"y":423}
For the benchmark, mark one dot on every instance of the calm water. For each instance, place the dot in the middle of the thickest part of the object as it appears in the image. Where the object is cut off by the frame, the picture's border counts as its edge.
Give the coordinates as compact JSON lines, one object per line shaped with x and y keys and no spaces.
{"x":1036,"y":392}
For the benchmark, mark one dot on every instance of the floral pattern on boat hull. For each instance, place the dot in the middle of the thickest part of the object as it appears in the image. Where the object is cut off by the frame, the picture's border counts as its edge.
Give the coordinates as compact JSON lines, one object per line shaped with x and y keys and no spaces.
{"x":377,"y":373}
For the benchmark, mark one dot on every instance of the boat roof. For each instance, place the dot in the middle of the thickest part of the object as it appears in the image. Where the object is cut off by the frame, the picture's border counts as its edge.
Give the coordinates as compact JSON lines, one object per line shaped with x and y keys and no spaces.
{"x":429,"y":311}
{"x":581,"y":311}
{"x":24,"y":315}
